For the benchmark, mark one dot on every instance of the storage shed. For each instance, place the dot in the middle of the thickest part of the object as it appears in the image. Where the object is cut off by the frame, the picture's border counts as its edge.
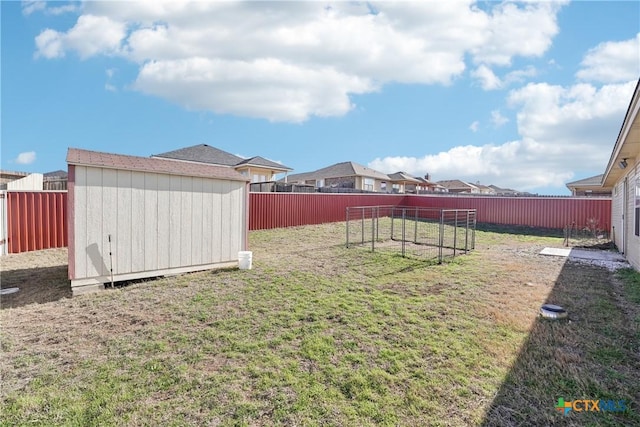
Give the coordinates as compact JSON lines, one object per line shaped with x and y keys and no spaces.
{"x":136,"y":217}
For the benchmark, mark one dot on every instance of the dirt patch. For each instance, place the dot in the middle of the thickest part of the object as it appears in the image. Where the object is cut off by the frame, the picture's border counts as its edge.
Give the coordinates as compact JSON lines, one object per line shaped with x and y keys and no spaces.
{"x":40,"y":276}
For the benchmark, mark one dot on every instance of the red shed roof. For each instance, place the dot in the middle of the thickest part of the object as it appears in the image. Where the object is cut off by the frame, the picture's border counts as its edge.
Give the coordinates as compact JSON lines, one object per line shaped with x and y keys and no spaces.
{"x":80,"y":157}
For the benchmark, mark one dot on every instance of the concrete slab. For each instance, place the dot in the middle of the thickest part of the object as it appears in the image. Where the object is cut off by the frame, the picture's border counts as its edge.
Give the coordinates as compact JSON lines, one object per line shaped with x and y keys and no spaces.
{"x":556,"y":251}
{"x":608,"y":259}
{"x":595,"y":254}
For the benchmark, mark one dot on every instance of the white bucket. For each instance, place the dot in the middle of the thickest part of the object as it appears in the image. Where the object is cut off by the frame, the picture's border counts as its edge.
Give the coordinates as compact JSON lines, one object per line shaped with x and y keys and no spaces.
{"x":244,"y":260}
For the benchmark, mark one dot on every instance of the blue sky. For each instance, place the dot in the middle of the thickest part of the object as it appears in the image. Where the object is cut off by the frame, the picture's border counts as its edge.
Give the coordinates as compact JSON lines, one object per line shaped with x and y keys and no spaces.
{"x":525,"y":95}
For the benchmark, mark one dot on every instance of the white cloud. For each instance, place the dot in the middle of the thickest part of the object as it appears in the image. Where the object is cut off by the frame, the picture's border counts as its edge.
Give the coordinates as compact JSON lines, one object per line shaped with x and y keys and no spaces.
{"x":579,"y":115}
{"x":29,"y":7}
{"x":90,"y":36}
{"x":109,"y":86}
{"x":562,"y":129}
{"x":518,"y":31}
{"x":498,"y":119}
{"x":612,"y":62}
{"x":288,"y":61}
{"x":50,"y":44}
{"x":488,"y":80}
{"x":26,"y":158}
{"x":59,"y":10}
{"x":281,"y":92}
{"x":474,"y":126}
{"x":518,"y":76}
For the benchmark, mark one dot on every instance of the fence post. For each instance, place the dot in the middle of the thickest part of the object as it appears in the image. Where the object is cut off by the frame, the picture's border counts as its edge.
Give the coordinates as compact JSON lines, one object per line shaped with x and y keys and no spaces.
{"x":362,"y":228}
{"x":373,"y":231}
{"x":441,"y":236}
{"x":404,"y":215}
{"x":473,"y":235}
{"x":415,"y":226}
{"x":393,"y":211}
{"x":3,"y":223}
{"x":455,"y":232}
{"x":347,"y":227}
{"x":377,"y":222}
{"x":466,"y":234}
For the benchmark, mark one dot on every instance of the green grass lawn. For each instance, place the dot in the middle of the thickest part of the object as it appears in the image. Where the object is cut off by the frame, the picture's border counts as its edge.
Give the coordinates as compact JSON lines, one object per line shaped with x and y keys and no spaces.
{"x":317,"y":334}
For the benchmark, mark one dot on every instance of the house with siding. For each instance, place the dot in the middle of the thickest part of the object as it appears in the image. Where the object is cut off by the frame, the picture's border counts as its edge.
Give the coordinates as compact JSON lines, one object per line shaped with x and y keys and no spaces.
{"x":458,"y":186}
{"x":485,"y":189}
{"x":589,"y":187}
{"x":623,"y":175}
{"x":402,"y":182}
{"x":507,"y":191}
{"x":428,"y":186}
{"x":344,"y":176}
{"x":257,"y":169}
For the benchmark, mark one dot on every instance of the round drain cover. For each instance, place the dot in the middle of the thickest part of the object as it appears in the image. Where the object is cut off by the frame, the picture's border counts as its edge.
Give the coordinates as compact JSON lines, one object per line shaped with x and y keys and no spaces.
{"x":551,"y":311}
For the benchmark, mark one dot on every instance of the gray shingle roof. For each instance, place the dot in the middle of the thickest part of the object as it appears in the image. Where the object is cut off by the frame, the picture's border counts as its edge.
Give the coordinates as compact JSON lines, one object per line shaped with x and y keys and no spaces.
{"x":148,"y":164}
{"x":456,"y":184}
{"x":56,"y":174}
{"x":262,"y":162}
{"x":202,"y":153}
{"x":339,"y":170}
{"x":594,"y":181}
{"x":403,"y":176}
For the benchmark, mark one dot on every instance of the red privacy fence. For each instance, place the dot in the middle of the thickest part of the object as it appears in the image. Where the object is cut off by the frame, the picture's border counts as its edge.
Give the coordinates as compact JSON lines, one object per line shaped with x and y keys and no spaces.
{"x":35,"y":220}
{"x":545,"y":212}
{"x":38,"y":219}
{"x":276,"y":210}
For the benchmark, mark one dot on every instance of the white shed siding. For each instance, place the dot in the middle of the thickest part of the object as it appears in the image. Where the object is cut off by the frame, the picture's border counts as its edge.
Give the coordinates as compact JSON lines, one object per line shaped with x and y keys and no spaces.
{"x":158,"y":223}
{"x":164,"y":221}
{"x":151,"y":241}
{"x":122,"y":251}
{"x":136,"y":226}
{"x":633,"y":243}
{"x":175,"y":209}
{"x":616,"y":215}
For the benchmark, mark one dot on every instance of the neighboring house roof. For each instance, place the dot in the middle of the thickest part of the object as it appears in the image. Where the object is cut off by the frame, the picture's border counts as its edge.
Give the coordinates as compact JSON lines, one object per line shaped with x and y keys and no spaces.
{"x":148,"y":164}
{"x":627,"y":144}
{"x":202,"y":153}
{"x":593,"y":181}
{"x":263,"y":163}
{"x":487,"y":189}
{"x":339,"y":170}
{"x":13,"y":174}
{"x":505,"y":191}
{"x":403,"y":176}
{"x":456,"y":184}
{"x":56,"y":174}
{"x":428,"y":183}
